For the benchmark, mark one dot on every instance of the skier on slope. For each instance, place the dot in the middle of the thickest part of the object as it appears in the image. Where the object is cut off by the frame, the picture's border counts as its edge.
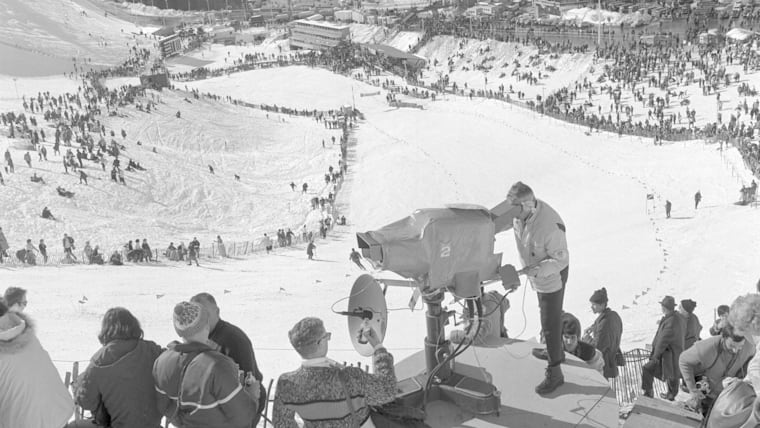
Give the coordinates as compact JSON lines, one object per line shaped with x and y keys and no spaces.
{"x":356,"y":258}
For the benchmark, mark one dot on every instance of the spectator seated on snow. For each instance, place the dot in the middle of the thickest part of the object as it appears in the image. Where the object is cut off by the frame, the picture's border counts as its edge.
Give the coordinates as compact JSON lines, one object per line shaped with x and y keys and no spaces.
{"x":115,"y":259}
{"x":26,"y":257}
{"x":36,"y":179}
{"x":46,"y":214}
{"x":96,"y":258}
{"x":65,"y":193}
{"x":135,"y":255}
{"x":491,"y":326}
{"x":171,"y":252}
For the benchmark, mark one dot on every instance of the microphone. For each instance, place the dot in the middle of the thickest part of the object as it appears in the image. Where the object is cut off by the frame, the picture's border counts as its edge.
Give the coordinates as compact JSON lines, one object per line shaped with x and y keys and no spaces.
{"x":359,"y":313}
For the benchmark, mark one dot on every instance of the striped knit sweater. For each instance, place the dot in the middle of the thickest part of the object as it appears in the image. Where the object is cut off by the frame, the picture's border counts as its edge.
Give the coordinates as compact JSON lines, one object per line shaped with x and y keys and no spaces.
{"x":318,"y":396}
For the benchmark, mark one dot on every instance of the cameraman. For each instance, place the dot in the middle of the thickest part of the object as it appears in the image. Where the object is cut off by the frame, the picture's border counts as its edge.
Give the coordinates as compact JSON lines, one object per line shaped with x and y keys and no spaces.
{"x":542,"y":245}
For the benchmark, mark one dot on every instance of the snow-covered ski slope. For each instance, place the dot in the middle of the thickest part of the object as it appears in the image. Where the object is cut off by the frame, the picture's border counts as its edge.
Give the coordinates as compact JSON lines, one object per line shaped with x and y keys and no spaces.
{"x":455,"y":150}
{"x":177,"y":197}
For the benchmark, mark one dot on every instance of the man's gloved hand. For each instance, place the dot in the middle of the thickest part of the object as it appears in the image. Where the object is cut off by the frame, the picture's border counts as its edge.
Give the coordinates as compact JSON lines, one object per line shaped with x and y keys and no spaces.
{"x":253,"y":388}
{"x":650,"y":365}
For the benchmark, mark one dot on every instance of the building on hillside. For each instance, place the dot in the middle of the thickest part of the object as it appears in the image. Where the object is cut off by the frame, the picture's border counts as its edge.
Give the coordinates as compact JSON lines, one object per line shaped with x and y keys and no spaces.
{"x":224,"y":35}
{"x":170,"y":46}
{"x":555,"y":7}
{"x":484,"y":9}
{"x":319,"y":35}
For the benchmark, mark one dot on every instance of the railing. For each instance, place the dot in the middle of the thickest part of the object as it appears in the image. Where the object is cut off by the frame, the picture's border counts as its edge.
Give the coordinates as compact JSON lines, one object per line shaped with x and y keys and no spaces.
{"x":627,"y":385}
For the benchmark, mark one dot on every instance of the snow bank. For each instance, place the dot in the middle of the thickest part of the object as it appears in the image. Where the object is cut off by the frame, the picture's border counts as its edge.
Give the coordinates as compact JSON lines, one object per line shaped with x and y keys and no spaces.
{"x":144,"y":10}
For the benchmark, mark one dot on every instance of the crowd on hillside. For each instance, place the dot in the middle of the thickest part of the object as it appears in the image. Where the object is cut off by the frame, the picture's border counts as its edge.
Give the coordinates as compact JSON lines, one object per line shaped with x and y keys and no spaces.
{"x":76,"y":118}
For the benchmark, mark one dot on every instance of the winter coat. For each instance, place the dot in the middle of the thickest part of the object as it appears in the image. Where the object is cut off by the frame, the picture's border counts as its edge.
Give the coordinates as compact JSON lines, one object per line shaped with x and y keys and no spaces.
{"x":691,"y":329}
{"x":605,"y":336}
{"x":667,"y":347}
{"x":3,"y":242}
{"x":710,"y":358}
{"x":32,"y":394}
{"x":317,"y":393}
{"x":120,"y":377}
{"x":210,"y":392}
{"x":542,"y":245}
{"x":231,"y":341}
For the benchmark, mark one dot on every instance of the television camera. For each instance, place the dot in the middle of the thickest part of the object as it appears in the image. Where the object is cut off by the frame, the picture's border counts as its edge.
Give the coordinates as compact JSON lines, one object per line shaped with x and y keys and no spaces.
{"x":436,"y":250}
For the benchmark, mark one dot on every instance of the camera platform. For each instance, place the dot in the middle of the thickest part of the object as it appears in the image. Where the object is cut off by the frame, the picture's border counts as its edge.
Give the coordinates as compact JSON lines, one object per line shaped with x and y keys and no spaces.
{"x":586,"y":399}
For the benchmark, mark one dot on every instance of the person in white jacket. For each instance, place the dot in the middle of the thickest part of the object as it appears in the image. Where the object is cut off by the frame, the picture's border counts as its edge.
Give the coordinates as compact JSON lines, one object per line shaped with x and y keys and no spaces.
{"x":542,"y":245}
{"x":32,"y":394}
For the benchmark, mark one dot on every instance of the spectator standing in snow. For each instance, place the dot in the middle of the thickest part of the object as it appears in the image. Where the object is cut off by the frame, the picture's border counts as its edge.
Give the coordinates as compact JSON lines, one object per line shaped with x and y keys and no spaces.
{"x":117,"y":386}
{"x":9,"y":161}
{"x":311,"y":250}
{"x":147,"y":253}
{"x":33,"y":395}
{"x":43,"y":250}
{"x":668,"y":206}
{"x":193,"y":249}
{"x":231,"y":341}
{"x":28,"y":159}
{"x":68,"y":246}
{"x":267,"y":243}
{"x":697,"y":199}
{"x":82,"y":177}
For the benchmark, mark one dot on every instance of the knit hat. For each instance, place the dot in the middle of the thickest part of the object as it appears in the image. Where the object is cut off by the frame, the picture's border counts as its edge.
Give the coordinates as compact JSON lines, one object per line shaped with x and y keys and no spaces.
{"x":669,"y":302}
{"x":599,"y":296}
{"x":189,"y":318}
{"x":688,"y":305}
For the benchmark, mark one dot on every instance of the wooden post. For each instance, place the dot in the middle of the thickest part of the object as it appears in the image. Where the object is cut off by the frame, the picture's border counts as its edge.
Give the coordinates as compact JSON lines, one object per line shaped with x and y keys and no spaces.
{"x":74,"y":376}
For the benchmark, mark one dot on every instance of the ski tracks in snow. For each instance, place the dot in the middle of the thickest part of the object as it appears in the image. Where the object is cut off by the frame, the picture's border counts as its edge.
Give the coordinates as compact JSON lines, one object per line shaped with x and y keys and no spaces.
{"x":398,"y":140}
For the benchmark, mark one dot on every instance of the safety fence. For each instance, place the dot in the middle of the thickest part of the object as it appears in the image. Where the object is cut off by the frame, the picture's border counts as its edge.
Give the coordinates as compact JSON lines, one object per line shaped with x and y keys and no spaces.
{"x":627,"y":385}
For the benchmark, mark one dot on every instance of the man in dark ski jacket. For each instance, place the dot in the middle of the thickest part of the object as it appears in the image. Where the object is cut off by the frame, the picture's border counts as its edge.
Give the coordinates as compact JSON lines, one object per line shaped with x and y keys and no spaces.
{"x":231,"y":341}
{"x":606,"y":332}
{"x":666,"y":350}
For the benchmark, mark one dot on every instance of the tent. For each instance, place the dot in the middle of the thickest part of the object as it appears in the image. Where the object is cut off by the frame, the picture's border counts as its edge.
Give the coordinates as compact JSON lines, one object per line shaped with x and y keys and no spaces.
{"x":739,"y":34}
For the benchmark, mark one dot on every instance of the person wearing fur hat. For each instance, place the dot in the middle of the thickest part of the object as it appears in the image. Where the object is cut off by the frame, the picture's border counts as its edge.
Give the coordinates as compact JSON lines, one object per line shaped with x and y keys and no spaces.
{"x":204,"y":381}
{"x":605,"y":333}
{"x":32,"y":393}
{"x":666,"y":349}
{"x":691,"y":325}
{"x":117,"y":387}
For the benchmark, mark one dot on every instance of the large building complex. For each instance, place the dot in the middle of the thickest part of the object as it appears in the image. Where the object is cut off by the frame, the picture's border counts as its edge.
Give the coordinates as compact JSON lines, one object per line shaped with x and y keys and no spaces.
{"x":320,"y":35}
